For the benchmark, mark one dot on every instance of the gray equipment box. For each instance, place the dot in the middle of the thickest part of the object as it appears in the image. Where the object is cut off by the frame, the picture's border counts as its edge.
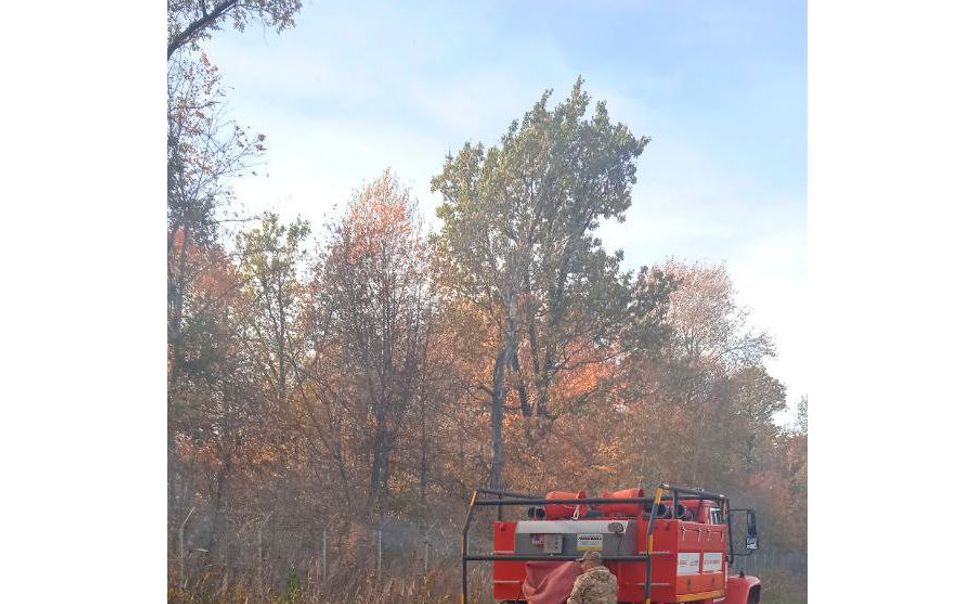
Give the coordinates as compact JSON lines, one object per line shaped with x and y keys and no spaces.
{"x":575,"y":537}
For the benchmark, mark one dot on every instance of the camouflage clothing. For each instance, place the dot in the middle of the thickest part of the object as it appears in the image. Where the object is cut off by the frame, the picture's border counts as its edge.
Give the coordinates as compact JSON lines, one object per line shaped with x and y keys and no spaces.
{"x":595,"y":586}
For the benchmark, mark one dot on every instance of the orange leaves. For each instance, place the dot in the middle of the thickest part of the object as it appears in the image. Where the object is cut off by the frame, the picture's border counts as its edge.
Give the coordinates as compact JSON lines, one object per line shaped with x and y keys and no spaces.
{"x":381,"y":220}
{"x":583,"y":379}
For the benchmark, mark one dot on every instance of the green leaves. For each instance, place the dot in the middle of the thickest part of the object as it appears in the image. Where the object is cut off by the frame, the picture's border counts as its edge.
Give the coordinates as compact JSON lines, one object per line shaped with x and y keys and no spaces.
{"x":526,"y":210}
{"x":273,"y":250}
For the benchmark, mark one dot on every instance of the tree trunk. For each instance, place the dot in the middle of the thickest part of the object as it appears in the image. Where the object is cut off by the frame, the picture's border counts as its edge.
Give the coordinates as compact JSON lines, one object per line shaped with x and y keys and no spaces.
{"x":176,"y":292}
{"x":379,"y":481}
{"x":497,"y":409}
{"x":546,"y":381}
{"x":282,"y":371}
{"x":219,"y":507}
{"x":206,"y":20}
{"x":526,"y":407}
{"x":423,"y":453}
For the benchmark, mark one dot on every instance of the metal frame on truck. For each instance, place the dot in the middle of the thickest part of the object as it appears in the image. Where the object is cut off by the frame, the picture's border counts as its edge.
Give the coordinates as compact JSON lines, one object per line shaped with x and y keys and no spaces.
{"x":502,"y":499}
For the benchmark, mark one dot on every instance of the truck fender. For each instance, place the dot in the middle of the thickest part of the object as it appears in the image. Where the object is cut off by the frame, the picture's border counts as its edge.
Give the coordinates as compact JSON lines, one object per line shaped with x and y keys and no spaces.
{"x":742,"y":590}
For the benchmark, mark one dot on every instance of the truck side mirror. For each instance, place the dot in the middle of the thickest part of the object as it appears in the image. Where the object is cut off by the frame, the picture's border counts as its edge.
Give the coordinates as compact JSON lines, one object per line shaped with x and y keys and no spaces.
{"x":751,"y":531}
{"x":751,"y":537}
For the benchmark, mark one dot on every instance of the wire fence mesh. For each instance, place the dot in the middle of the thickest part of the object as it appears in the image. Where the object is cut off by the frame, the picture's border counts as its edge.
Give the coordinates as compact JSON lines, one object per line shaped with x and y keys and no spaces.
{"x":273,"y":555}
{"x":772,"y":558}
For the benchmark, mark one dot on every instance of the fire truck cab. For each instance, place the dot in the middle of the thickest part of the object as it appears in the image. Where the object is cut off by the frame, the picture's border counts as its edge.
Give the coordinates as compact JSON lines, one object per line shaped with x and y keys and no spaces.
{"x":681,"y":538}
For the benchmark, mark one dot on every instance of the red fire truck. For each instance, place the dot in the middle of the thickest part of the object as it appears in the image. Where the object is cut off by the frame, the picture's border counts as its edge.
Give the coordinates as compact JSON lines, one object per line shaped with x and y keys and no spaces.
{"x":680,"y":537}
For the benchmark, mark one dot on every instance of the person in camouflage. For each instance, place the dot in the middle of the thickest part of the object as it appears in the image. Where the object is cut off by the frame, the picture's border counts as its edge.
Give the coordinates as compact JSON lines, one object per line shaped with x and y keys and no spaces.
{"x":596,"y":585}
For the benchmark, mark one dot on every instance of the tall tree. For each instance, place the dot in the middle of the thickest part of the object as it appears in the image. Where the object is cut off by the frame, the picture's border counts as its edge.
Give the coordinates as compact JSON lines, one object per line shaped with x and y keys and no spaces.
{"x":379,"y":289}
{"x":518,"y":240}
{"x":204,"y":150}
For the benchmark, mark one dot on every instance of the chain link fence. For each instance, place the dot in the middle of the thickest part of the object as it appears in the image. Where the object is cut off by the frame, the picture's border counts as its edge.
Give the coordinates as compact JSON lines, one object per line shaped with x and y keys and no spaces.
{"x":273,"y":555}
{"x":771,"y":558}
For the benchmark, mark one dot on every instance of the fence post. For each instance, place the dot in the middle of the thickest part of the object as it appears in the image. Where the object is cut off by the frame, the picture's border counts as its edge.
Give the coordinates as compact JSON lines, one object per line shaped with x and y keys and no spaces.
{"x":379,"y":553}
{"x":260,"y":553}
{"x":182,"y":549}
{"x":324,"y":552}
{"x":426,"y":549}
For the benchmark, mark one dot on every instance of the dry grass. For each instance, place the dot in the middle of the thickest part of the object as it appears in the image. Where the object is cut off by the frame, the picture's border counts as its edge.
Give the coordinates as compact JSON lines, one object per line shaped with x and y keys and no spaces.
{"x":351,"y":584}
{"x":782,"y":587}
{"x":221,"y":586}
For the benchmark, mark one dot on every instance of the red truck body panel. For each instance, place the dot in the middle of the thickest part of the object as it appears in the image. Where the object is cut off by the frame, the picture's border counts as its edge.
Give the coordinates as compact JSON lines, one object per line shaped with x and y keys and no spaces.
{"x":689,"y":564}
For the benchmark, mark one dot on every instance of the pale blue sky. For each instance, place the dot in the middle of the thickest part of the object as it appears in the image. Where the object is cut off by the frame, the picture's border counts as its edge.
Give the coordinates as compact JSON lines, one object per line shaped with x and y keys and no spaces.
{"x":719,"y":86}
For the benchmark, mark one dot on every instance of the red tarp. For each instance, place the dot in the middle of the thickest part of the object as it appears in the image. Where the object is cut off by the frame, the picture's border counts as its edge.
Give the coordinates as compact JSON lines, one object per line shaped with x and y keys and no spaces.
{"x":550,"y":582}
